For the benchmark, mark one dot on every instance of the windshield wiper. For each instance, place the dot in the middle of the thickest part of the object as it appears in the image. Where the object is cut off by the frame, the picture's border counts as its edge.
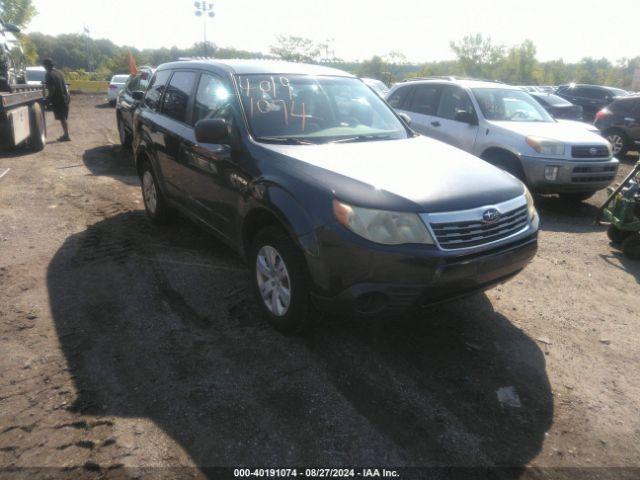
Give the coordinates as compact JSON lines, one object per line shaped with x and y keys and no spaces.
{"x":289,"y":140}
{"x":361,"y":138}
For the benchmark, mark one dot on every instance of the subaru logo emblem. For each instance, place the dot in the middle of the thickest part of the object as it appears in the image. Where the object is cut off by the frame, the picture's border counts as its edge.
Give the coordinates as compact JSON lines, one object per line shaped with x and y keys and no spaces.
{"x":593,"y":151}
{"x":491,"y":216}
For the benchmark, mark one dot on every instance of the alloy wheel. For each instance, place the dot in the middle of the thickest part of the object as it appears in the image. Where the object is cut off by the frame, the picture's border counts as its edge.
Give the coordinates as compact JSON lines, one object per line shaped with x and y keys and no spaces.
{"x":617,"y":142}
{"x":274,"y":282}
{"x":149,"y":192}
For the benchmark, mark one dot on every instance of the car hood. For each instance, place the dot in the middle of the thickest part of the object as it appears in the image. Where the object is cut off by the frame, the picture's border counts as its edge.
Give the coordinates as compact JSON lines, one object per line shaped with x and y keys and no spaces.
{"x":567,"y":132}
{"x":419,"y":174}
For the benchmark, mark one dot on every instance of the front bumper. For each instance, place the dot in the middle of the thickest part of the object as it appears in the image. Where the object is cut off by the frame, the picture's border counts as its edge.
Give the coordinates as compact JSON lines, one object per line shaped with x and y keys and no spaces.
{"x":356,"y":276}
{"x":572,"y":176}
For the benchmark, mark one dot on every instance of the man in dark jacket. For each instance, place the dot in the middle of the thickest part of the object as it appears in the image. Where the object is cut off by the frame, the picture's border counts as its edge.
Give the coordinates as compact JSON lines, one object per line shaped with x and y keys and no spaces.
{"x":57,"y":97}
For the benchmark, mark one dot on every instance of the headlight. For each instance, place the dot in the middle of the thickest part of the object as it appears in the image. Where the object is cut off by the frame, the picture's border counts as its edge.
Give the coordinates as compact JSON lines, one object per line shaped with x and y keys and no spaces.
{"x":531,"y":208}
{"x":546,"y":146}
{"x":388,"y":228}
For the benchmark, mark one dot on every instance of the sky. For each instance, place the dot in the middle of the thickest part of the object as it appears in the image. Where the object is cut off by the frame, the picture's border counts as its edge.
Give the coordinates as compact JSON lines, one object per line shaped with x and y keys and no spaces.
{"x":421,"y":30}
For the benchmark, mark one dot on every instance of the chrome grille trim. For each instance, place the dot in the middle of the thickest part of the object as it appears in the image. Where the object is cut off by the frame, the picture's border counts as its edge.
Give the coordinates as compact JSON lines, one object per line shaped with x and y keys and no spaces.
{"x":465,"y":229}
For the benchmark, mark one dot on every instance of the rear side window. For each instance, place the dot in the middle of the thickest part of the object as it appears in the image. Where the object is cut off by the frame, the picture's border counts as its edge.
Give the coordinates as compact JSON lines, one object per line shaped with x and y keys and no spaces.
{"x":454,"y":100}
{"x":397,"y":98}
{"x":176,"y":97}
{"x":156,"y":89}
{"x":425,"y":99}
{"x":210,"y":97}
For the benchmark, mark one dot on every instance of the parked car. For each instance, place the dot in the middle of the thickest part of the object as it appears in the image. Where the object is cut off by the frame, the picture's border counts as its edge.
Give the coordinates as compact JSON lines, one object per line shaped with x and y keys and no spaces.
{"x":35,"y":75}
{"x":116,"y":84}
{"x":558,"y":106}
{"x":620,"y":124}
{"x":378,"y":86}
{"x":128,"y":100}
{"x":591,"y":98}
{"x":324,"y":190}
{"x":506,"y":127}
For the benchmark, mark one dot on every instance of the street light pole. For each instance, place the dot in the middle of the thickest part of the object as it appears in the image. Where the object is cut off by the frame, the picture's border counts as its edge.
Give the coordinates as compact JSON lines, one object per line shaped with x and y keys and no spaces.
{"x":204,"y":9}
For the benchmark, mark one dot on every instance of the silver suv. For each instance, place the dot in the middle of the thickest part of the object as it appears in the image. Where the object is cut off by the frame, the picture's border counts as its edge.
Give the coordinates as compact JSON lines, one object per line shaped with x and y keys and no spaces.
{"x":506,"y":127}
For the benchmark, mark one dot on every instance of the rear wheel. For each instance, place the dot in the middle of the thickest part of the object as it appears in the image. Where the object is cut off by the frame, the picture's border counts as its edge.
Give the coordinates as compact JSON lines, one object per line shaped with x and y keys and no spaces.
{"x":619,"y":142}
{"x":616,"y":235}
{"x":38,"y":135}
{"x":280,"y":280}
{"x":576,"y":196}
{"x":631,"y":246}
{"x":154,"y":203}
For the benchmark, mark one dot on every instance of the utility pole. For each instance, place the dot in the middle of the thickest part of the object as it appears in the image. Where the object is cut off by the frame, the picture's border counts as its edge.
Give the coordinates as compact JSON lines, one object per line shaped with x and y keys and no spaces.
{"x":204,"y":9}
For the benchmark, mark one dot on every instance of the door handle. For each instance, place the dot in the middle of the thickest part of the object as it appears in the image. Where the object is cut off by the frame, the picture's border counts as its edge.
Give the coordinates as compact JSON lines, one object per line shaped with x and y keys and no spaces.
{"x":435,"y":124}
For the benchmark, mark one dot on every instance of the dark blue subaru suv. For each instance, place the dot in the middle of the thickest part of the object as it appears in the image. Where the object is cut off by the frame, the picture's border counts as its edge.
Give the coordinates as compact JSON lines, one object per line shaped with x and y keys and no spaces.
{"x":330,"y":197}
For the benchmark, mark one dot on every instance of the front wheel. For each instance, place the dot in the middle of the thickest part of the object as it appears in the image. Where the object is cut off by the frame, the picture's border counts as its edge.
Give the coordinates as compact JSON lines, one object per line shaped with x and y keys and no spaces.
{"x":125,"y":136}
{"x":576,"y":196}
{"x":616,"y":235}
{"x":154,"y":202}
{"x":280,"y":280}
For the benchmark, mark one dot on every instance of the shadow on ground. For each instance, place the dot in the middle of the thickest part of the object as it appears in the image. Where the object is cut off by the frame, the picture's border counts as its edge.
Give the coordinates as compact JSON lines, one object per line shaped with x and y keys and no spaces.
{"x":113,"y":161}
{"x":158,"y":323}
{"x":559,"y":215}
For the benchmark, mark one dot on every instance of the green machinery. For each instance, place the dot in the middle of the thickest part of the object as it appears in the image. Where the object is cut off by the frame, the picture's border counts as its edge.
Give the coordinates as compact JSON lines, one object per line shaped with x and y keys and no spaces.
{"x":622,"y":211}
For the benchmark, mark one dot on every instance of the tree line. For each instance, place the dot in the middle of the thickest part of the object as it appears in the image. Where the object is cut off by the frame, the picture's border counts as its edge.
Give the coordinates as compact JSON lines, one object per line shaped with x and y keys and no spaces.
{"x":477,"y":56}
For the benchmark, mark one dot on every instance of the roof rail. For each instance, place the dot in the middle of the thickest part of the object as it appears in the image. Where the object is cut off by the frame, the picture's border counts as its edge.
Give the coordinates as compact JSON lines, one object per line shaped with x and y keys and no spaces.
{"x":450,"y":78}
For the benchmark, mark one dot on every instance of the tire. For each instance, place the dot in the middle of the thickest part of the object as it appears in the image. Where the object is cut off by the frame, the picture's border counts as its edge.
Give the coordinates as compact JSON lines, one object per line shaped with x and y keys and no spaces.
{"x":576,"y":197}
{"x":38,"y":134}
{"x":616,"y":235}
{"x":125,"y":137}
{"x":154,"y":202}
{"x":272,"y":249}
{"x":112,"y":103}
{"x":631,"y":246}
{"x":507,"y":162}
{"x":619,"y":142}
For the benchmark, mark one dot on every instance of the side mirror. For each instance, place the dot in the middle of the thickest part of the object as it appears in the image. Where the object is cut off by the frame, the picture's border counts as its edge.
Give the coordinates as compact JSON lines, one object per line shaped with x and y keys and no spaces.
{"x":212,"y":130}
{"x":466,"y":117}
{"x":137,"y":95}
{"x":405,"y":118}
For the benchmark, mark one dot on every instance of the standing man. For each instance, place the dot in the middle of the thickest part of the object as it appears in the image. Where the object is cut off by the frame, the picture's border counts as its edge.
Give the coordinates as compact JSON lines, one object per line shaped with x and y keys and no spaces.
{"x":58,"y":97}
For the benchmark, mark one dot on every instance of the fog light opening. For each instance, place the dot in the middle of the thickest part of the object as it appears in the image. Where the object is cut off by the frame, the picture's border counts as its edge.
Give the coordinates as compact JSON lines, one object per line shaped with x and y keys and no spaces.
{"x":370,"y":303}
{"x":551,"y":173}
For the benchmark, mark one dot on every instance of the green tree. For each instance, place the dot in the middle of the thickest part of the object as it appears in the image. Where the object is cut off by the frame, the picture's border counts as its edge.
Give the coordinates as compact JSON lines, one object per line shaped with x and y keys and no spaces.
{"x":17,"y":12}
{"x":297,"y":49}
{"x":477,"y":56}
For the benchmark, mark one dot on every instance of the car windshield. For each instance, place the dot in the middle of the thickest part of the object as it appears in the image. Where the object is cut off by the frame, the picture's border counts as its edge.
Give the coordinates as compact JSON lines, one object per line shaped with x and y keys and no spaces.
{"x":377,"y":85}
{"x":617,"y":92}
{"x":555,"y":100}
{"x":315,"y":109}
{"x":35,"y":75}
{"x":507,"y":105}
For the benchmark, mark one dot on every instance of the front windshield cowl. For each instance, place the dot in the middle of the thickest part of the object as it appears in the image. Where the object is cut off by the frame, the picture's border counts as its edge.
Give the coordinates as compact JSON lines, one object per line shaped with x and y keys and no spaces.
{"x":308,"y":109}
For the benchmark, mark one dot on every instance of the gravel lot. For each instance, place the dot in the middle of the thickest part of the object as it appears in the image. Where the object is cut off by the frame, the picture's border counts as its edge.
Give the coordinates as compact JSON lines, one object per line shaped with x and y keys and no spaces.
{"x":125,"y":346}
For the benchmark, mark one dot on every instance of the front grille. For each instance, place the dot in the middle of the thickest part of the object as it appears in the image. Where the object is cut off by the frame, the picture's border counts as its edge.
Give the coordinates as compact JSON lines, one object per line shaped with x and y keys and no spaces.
{"x":594,"y":174}
{"x":456,"y":235}
{"x":590,"y":151}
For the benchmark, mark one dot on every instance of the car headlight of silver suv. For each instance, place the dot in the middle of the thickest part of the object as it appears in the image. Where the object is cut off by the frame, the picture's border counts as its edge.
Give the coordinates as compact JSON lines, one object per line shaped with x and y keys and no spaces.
{"x":531,"y":208}
{"x":379,"y":226}
{"x":546,"y":146}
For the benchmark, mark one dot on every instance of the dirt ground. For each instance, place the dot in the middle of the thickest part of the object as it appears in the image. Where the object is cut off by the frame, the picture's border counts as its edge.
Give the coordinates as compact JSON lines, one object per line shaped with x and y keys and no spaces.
{"x":126,"y":346}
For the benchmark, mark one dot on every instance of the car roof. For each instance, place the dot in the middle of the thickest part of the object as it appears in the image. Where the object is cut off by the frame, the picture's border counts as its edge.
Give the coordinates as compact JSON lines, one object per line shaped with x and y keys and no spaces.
{"x":463,"y":82}
{"x":247,"y":67}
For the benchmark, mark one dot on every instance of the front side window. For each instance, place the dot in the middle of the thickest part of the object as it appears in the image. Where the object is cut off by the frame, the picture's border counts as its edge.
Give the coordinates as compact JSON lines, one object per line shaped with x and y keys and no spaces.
{"x":176,"y":97}
{"x":210,"y":97}
{"x":506,"y":105}
{"x":315,"y":109}
{"x":156,"y":89}
{"x":454,"y":100}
